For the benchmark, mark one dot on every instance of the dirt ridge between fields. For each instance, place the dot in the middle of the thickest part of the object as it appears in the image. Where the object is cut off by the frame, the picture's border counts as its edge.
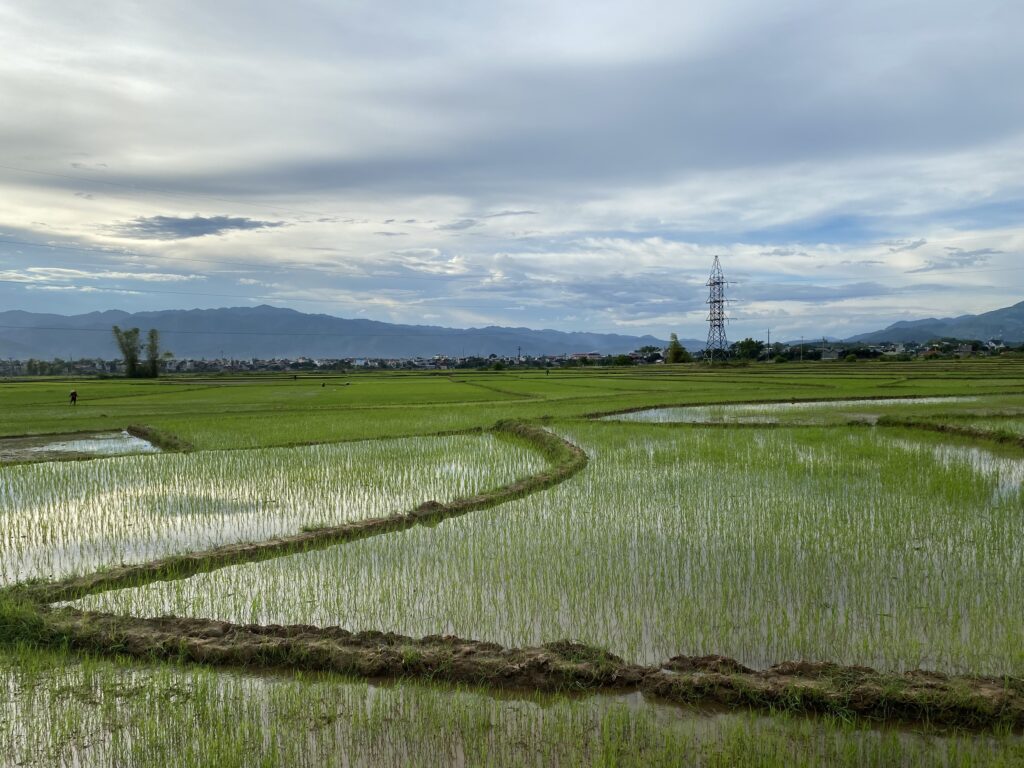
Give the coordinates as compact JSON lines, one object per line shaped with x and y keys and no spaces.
{"x":806,"y":687}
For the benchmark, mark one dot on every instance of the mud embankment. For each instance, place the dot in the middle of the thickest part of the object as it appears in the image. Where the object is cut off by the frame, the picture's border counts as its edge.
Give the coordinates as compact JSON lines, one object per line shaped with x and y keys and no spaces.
{"x":914,"y":697}
{"x":165,"y":441}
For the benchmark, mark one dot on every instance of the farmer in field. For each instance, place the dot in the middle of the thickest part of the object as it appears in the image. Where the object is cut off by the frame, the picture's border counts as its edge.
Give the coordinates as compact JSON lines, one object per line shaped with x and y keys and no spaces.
{"x":73,"y":397}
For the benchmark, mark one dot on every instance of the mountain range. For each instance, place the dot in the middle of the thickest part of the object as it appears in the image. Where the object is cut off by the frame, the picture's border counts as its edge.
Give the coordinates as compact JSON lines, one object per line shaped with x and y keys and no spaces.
{"x":1006,"y":324}
{"x":271,"y":332}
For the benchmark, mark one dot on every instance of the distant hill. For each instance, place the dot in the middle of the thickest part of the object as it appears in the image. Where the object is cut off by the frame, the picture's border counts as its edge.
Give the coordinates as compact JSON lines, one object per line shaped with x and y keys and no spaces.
{"x":271,"y":332}
{"x":1006,"y":324}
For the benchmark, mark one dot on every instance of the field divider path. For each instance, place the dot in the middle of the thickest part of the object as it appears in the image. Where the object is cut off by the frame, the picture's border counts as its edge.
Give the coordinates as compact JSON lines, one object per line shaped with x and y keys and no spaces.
{"x":565,"y":460}
{"x":559,"y":667}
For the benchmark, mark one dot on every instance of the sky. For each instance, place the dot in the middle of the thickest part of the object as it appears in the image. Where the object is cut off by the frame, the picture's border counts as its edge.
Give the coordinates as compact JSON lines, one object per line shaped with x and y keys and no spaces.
{"x":567,"y":165}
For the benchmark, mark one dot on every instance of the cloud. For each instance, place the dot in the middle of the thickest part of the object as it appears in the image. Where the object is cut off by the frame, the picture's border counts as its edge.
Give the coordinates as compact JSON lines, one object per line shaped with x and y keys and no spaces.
{"x":84,"y":289}
{"x":901,"y":247}
{"x":61,"y":274}
{"x":180,"y":228}
{"x":957,"y":258}
{"x":457,"y":225}
{"x":559,"y":158}
{"x":500,"y":214}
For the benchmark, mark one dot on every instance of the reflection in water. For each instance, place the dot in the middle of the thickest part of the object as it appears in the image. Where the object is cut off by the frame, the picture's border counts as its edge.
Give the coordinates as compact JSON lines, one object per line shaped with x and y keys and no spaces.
{"x":765,"y":413}
{"x":52,"y":447}
{"x":58,"y":517}
{"x":1006,"y":472}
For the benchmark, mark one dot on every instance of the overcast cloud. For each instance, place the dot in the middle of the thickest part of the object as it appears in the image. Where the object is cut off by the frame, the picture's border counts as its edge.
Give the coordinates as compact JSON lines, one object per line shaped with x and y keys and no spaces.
{"x":564,"y":165}
{"x":180,"y":227}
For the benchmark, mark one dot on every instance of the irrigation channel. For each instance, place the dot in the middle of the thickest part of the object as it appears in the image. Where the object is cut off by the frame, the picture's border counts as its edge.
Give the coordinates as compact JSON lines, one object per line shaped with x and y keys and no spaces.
{"x":809,"y":687}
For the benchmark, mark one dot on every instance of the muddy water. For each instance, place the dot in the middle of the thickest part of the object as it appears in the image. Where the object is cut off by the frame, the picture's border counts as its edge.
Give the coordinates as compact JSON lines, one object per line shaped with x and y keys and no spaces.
{"x":73,"y":446}
{"x":769,"y":413}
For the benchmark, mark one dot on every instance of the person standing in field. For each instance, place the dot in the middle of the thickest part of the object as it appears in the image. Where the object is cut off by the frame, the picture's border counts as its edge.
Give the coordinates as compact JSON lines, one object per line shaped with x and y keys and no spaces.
{"x":73,"y":397}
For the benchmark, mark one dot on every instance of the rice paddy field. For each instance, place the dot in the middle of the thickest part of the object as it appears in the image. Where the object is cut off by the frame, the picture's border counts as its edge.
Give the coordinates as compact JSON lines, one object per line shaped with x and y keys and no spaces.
{"x":853,"y":515}
{"x":61,"y":518}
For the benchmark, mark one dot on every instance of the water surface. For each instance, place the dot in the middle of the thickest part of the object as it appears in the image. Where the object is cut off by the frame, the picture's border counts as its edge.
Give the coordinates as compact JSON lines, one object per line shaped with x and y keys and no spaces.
{"x":72,"y":446}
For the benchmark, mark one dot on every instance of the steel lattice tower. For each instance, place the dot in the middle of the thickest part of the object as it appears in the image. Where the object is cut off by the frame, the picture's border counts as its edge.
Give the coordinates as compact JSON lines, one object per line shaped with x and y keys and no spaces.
{"x":716,"y":313}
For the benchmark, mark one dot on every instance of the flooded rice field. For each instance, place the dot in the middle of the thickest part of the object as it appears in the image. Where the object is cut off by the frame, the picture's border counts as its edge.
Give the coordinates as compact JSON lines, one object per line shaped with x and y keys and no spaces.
{"x":59,"y":711}
{"x":58,"y":518}
{"x":72,"y":446}
{"x":887,"y":549}
{"x":775,"y":413}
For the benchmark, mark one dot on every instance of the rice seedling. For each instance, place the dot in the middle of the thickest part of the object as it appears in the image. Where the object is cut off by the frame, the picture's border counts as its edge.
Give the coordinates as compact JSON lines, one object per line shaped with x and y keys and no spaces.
{"x":228,"y":412}
{"x":1008,"y":425}
{"x":857,"y":546}
{"x":57,"y":518}
{"x":59,"y":710}
{"x":875,"y":546}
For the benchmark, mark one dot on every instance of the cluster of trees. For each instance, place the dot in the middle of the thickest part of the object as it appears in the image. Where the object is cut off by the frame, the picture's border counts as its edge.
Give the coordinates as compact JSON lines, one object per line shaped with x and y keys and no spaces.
{"x":130,"y":344}
{"x":748,"y":349}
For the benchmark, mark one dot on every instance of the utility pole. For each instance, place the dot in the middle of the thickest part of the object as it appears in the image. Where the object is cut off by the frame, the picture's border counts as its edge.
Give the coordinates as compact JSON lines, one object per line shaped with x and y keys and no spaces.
{"x":716,"y":312}
{"x":801,"y":349}
{"x":768,"y":349}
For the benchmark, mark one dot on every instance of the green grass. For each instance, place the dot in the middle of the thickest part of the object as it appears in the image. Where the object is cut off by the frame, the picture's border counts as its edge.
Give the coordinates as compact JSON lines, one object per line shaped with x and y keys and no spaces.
{"x":268,"y":411}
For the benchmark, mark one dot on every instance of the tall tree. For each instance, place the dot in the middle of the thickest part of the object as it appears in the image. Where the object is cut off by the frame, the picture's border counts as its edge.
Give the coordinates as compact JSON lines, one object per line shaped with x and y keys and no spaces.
{"x":676,"y":352}
{"x":153,"y":353}
{"x":130,"y":346}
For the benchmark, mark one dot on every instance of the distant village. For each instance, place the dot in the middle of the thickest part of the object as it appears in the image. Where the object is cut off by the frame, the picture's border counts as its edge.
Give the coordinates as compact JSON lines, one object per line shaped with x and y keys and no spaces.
{"x":747,"y":350}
